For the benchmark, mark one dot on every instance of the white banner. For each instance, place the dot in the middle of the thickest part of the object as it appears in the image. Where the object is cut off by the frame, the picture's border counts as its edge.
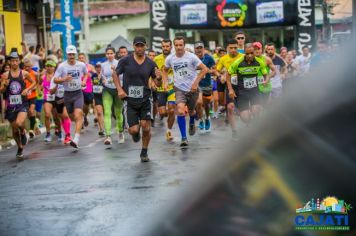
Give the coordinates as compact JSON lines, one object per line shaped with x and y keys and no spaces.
{"x":193,"y":14}
{"x":269,"y":12}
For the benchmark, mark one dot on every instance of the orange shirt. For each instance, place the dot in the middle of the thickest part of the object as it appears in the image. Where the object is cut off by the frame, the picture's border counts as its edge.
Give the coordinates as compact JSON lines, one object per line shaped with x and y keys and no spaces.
{"x":33,"y":93}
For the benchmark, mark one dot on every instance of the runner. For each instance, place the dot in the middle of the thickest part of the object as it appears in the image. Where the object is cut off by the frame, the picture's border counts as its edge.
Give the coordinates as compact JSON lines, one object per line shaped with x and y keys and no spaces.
{"x":242,"y":84}
{"x":137,"y":70}
{"x":152,"y":55}
{"x":223,"y":67}
{"x":205,"y":87}
{"x":166,"y":98}
{"x":13,"y":84}
{"x":122,"y":52}
{"x":110,"y":98}
{"x":265,"y":89}
{"x":88,"y":89}
{"x":303,"y":61}
{"x":31,"y":97}
{"x":50,"y":102}
{"x":98,"y":97}
{"x":69,"y":73}
{"x":240,"y":39}
{"x":186,"y":82}
{"x":280,"y":66}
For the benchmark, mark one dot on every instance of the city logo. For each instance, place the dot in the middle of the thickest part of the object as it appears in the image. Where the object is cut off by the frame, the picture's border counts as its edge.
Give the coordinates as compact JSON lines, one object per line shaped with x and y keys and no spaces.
{"x":231,"y":13}
{"x":327,"y":214}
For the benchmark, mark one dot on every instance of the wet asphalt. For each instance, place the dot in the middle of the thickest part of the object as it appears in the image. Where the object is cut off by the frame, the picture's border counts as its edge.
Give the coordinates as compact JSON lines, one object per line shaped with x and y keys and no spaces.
{"x":99,"y":190}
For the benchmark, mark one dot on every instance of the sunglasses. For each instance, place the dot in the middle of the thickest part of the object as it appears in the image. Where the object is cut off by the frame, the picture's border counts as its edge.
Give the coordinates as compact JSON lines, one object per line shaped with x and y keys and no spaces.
{"x":240,"y":38}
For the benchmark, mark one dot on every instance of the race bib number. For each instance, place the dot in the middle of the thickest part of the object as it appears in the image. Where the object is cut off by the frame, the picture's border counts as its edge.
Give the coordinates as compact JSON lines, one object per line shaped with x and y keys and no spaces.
{"x":234,"y":80}
{"x":182,"y":73}
{"x":74,"y":85}
{"x":97,"y":89}
{"x":51,"y":97}
{"x":109,"y":81}
{"x":135,"y":92}
{"x":170,"y":79}
{"x":260,"y":79}
{"x":60,"y":92}
{"x":15,"y":99}
{"x":250,"y":83}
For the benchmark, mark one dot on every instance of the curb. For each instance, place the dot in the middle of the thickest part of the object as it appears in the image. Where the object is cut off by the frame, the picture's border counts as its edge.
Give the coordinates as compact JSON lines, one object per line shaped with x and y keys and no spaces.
{"x":11,"y":142}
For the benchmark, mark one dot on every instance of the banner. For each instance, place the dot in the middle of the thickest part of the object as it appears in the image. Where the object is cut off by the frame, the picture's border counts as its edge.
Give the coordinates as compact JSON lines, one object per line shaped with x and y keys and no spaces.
{"x":193,"y":14}
{"x":67,"y":24}
{"x":306,"y":24}
{"x":269,"y":12}
{"x":158,"y":25}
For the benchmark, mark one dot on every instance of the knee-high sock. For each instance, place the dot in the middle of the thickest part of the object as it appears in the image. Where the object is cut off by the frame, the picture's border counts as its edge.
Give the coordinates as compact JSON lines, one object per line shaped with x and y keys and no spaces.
{"x":66,"y":126}
{"x":182,"y":126}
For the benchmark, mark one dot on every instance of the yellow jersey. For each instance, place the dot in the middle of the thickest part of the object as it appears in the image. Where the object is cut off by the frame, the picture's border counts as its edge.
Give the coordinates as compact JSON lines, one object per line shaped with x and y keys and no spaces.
{"x":226,"y":61}
{"x":160,"y":61}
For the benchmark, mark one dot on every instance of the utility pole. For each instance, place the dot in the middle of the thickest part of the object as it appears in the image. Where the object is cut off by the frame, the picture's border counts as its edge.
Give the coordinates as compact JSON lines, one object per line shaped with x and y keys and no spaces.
{"x":86,"y":26}
{"x":326,"y":21}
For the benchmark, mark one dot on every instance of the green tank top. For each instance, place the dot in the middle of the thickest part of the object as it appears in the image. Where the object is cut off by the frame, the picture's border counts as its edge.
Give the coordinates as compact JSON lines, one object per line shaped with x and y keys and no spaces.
{"x":261,"y":87}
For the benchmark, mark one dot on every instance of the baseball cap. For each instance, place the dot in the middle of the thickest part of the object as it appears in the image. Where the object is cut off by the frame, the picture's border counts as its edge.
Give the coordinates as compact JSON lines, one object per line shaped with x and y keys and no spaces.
{"x":198,"y":44}
{"x":51,"y":63}
{"x":257,"y":45}
{"x":98,"y":64}
{"x":139,"y":39}
{"x":13,"y":55}
{"x":71,"y":49}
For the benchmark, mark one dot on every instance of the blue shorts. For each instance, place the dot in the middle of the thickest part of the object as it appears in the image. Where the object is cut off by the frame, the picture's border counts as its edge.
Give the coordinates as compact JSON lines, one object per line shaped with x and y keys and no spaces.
{"x":215,"y":85}
{"x":39,"y":104}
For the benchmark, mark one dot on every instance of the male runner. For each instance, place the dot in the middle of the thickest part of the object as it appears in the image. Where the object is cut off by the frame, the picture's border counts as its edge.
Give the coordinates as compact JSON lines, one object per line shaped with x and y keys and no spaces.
{"x":280,"y":74}
{"x":240,"y":38}
{"x":166,"y":98}
{"x":186,"y":82}
{"x":13,"y":84}
{"x":70,"y":74}
{"x":205,"y":87}
{"x":137,"y":70}
{"x":244,"y":86}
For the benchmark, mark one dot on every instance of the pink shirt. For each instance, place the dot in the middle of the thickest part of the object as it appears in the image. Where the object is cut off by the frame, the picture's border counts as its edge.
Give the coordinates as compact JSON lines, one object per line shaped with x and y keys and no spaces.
{"x":46,"y":87}
{"x":89,"y":87}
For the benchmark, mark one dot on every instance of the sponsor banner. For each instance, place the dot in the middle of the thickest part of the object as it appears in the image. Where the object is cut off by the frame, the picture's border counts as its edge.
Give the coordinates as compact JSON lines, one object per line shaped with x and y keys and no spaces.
{"x":193,"y":14}
{"x":305,"y":24}
{"x":158,"y":25}
{"x":269,"y":12}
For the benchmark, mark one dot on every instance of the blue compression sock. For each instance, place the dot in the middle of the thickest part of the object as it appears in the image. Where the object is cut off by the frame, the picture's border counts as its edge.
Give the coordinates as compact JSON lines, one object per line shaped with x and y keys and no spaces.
{"x":182,"y":128}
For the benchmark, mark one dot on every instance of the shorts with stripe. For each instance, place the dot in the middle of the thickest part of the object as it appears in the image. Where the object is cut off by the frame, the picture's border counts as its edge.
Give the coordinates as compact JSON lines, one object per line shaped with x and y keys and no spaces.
{"x":134,"y":112}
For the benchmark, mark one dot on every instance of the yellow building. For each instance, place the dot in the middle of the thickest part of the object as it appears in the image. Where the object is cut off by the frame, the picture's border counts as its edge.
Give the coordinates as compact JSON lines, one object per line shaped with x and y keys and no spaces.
{"x":10,"y":26}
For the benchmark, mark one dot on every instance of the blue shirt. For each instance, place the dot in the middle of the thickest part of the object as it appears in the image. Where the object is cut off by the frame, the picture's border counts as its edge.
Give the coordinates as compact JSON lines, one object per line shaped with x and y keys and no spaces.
{"x":209,"y":62}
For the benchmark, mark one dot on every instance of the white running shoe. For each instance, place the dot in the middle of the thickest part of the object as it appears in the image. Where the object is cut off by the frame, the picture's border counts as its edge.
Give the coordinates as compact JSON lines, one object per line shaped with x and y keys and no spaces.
{"x":121,"y":137}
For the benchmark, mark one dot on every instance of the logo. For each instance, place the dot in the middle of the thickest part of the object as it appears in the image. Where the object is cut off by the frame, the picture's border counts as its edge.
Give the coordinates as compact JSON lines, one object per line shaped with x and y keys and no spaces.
{"x":328,"y":214}
{"x":231,"y":13}
{"x":15,"y":87}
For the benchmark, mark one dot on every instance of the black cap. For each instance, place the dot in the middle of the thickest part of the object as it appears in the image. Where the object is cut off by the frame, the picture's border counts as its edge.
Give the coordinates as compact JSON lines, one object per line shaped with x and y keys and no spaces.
{"x":139,"y":39}
{"x":14,"y":55}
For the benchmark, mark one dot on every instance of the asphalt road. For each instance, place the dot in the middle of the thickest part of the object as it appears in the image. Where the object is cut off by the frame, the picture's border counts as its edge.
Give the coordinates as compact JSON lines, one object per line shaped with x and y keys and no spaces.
{"x":97,"y":190}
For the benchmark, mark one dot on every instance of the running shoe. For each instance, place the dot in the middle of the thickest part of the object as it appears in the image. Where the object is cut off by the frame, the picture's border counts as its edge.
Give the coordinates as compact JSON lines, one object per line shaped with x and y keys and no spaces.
{"x":67,"y":139}
{"x":169,"y":135}
{"x":24,"y":138}
{"x":201,"y":125}
{"x":207,"y":125}
{"x":48,"y":138}
{"x":191,"y":129}
{"x":121,"y":137}
{"x":19,"y":154}
{"x":184,"y":142}
{"x":136,"y":137}
{"x":74,"y":144}
{"x":59,"y":137}
{"x":101,"y":133}
{"x":108,"y":141}
{"x":31,"y":133}
{"x":144,"y":156}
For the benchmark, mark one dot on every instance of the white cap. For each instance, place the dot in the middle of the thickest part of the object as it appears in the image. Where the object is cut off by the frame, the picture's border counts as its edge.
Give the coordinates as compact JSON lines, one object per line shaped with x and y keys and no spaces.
{"x":71,"y":49}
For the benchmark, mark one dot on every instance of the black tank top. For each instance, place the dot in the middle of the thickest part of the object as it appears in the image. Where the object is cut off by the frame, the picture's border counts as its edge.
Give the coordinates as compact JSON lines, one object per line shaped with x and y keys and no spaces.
{"x":15,"y":88}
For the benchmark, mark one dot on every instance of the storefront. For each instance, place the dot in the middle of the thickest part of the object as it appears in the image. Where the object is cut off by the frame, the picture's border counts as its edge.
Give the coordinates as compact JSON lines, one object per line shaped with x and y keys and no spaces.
{"x":286,"y":23}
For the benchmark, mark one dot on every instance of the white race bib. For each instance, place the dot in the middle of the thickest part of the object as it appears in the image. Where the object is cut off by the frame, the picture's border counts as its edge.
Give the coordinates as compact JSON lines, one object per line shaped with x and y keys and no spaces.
{"x":74,"y":85}
{"x":135,"y":92}
{"x":60,"y":92}
{"x":51,"y":97}
{"x":234,"y":79}
{"x":97,"y":89}
{"x":15,"y":99}
{"x":260,"y":79}
{"x":250,"y":82}
{"x":182,"y":73}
